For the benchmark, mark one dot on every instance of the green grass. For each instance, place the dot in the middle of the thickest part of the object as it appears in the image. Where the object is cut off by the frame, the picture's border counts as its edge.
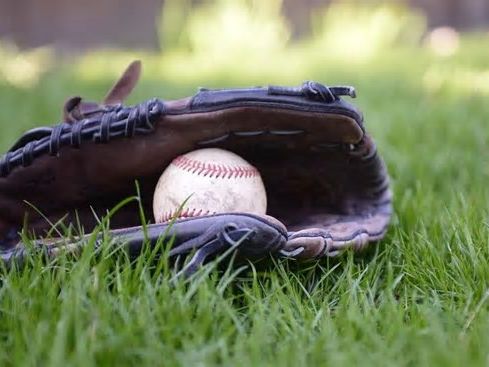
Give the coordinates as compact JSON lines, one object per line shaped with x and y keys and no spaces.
{"x":419,"y":298}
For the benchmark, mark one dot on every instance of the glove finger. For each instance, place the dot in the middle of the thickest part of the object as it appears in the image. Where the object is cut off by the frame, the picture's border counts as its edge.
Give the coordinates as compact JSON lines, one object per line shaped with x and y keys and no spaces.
{"x":253,"y":237}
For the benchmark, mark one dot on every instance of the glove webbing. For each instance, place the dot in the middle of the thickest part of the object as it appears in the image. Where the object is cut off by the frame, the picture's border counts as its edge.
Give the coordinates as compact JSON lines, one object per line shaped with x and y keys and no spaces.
{"x":117,"y":121}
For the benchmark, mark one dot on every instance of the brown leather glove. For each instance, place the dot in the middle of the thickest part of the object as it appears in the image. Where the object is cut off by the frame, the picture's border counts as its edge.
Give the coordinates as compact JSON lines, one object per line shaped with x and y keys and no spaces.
{"x":328,"y":188}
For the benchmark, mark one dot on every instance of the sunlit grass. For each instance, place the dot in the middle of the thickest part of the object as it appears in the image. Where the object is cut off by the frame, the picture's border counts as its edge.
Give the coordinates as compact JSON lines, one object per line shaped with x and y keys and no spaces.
{"x":456,"y":80}
{"x":355,"y":33}
{"x":23,"y":69}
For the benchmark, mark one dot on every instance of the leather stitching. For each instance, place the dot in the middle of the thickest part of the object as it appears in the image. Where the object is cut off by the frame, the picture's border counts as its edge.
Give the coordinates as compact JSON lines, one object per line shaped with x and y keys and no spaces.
{"x":214,"y":170}
{"x":186,"y":213}
{"x":113,"y":123}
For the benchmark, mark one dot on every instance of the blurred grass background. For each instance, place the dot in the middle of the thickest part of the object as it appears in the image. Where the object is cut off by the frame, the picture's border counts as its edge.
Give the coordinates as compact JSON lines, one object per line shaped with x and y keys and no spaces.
{"x":420,"y":298}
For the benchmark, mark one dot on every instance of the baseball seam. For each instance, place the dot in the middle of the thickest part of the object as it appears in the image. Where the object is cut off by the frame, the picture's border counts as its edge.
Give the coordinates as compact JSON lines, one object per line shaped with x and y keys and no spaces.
{"x":214,"y":170}
{"x":186,"y":213}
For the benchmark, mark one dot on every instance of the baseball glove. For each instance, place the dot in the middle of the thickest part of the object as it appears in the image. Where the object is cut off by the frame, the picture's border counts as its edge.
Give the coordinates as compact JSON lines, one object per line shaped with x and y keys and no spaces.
{"x":327,"y":187}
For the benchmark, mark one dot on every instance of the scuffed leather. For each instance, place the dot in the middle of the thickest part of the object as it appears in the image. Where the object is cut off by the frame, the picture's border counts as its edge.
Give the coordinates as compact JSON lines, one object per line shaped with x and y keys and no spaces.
{"x":262,"y":237}
{"x":325,"y":180}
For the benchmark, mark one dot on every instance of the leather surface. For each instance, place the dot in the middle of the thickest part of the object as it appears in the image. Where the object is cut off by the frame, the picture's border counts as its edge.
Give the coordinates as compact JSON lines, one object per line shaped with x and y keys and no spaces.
{"x":263,"y":236}
{"x":325,"y":179}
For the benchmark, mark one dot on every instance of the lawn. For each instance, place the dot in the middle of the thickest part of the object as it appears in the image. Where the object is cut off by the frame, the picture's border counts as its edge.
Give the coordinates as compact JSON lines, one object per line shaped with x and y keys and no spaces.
{"x":418,"y":298}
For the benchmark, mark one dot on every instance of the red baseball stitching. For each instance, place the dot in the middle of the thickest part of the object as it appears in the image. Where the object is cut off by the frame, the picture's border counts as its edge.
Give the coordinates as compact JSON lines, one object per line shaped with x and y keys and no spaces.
{"x":186,"y":213}
{"x":214,"y":170}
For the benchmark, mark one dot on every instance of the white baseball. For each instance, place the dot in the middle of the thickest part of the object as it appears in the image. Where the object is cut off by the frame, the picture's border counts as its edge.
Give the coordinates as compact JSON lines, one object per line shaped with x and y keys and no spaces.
{"x":208,"y":181}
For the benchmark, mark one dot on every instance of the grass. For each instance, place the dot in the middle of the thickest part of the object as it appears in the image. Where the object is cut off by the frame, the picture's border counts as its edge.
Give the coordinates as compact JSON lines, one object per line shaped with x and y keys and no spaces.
{"x":419,"y":298}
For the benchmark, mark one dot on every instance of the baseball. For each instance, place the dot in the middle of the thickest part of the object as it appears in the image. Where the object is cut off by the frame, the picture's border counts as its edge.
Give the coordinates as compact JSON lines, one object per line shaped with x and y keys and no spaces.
{"x":206,"y":182}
